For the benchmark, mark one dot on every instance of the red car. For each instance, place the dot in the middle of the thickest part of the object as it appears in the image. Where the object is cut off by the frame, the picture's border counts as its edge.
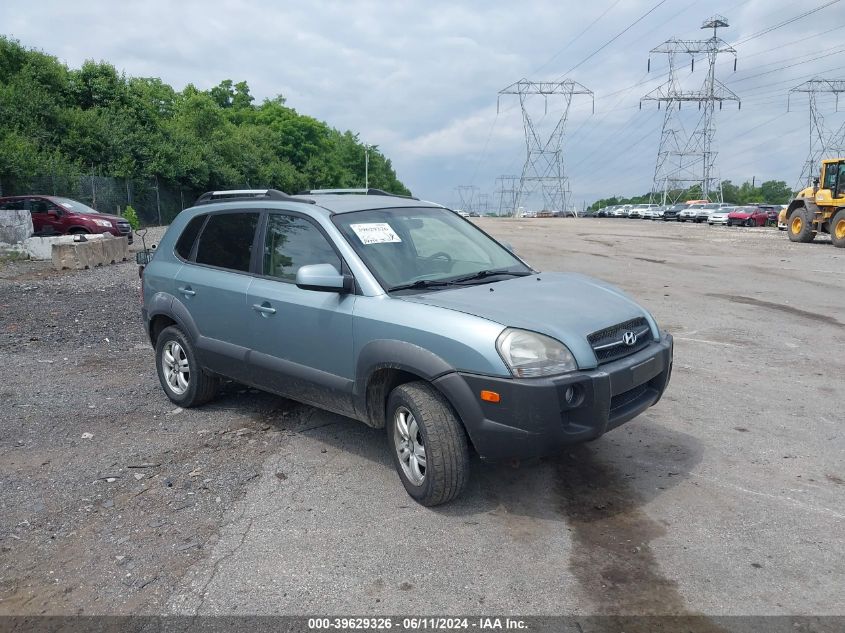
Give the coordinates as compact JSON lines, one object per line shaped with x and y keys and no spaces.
{"x":52,"y":215}
{"x":748,"y":216}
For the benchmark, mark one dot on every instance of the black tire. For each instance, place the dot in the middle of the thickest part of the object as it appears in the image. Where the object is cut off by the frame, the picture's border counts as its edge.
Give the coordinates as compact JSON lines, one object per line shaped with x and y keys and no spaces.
{"x":79,"y":231}
{"x":799,"y":226}
{"x":442,"y":437}
{"x":201,"y":387}
{"x":837,"y":229}
{"x":750,"y":222}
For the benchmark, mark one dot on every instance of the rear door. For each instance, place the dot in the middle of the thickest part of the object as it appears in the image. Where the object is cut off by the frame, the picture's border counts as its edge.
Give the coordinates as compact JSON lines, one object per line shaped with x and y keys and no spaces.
{"x":212,"y":287}
{"x":301,"y":340}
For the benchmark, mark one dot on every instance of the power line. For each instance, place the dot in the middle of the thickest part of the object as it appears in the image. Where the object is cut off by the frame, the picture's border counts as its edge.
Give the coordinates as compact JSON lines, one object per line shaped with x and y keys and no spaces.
{"x":774,"y":70}
{"x":615,"y":37}
{"x":785,"y":22}
{"x":577,"y":37}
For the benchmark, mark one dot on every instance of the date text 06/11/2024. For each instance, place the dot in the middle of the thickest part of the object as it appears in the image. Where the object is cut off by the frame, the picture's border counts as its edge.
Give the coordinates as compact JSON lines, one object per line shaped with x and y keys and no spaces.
{"x":417,"y":624}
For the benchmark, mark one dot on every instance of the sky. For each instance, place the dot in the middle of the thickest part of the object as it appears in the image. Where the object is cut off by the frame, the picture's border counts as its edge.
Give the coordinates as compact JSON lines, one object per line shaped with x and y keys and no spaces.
{"x":421,"y":79}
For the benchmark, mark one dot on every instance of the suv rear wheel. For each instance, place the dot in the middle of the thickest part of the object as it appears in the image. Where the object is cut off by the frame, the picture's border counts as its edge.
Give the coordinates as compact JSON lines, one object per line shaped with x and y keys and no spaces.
{"x":428,"y":443}
{"x":179,"y":373}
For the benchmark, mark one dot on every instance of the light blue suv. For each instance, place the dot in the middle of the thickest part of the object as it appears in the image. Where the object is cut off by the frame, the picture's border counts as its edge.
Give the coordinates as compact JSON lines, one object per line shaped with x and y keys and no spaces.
{"x":402,"y":314}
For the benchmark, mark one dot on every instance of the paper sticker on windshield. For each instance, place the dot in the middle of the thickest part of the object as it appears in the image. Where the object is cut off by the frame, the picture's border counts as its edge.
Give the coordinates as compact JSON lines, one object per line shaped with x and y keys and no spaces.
{"x":375,"y":233}
{"x":66,"y":205}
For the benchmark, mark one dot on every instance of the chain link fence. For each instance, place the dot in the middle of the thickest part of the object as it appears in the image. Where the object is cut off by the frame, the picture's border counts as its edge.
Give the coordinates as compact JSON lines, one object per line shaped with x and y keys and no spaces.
{"x":155,"y":202}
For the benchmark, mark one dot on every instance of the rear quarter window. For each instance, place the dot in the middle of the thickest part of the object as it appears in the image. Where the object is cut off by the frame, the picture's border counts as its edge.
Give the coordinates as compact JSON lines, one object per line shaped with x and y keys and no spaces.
{"x":185,"y":243}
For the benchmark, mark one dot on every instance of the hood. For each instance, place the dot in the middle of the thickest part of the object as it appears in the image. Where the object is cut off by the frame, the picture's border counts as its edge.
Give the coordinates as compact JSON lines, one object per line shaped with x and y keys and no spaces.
{"x":739,"y":214}
{"x":565,"y":306}
{"x":96,"y":216}
{"x":105,"y":216}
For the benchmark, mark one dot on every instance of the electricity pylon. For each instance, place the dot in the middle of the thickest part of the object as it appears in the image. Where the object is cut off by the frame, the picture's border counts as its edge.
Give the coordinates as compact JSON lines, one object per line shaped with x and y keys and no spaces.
{"x":824,"y":142}
{"x":685,"y":159}
{"x":544,"y":170}
{"x":507,"y":190}
{"x":466,"y":197}
{"x":483,"y":204}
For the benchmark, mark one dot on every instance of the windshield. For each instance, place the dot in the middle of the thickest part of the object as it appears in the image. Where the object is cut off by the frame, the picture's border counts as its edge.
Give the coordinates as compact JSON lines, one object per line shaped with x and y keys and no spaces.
{"x":73,"y":205}
{"x":404,"y":246}
{"x":744,"y":210}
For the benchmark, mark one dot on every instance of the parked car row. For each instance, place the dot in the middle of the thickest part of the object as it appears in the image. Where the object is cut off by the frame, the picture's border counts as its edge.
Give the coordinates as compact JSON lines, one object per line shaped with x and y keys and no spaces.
{"x":698,"y":211}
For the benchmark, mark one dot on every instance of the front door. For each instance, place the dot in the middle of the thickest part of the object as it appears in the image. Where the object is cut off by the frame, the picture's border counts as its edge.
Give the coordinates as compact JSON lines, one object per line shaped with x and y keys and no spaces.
{"x":301,"y":339}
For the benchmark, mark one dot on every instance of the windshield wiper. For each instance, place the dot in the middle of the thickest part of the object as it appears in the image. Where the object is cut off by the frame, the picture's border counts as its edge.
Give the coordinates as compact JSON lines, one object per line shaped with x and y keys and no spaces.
{"x":481,"y":274}
{"x":421,"y":283}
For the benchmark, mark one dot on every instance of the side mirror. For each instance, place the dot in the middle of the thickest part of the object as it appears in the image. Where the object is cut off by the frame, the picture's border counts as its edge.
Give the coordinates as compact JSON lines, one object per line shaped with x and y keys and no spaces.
{"x":323,"y":278}
{"x":54,"y":212}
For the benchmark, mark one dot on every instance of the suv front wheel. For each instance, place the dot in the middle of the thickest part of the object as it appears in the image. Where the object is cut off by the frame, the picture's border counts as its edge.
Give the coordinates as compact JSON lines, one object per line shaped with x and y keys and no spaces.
{"x":428,"y":443}
{"x":181,"y":377}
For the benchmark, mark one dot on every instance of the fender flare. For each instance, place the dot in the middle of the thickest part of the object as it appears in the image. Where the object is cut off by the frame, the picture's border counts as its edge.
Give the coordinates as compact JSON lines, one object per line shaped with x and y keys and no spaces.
{"x":795,"y":204}
{"x":416,"y":360}
{"x":391,"y":354}
{"x":163,"y":304}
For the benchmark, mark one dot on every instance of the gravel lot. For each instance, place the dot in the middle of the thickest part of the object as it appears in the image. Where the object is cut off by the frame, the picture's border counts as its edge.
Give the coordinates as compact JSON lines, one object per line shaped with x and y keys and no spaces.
{"x":725,"y":498}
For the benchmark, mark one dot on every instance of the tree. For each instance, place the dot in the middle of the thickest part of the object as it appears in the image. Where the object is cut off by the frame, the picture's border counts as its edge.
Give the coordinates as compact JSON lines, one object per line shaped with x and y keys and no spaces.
{"x":63,"y":122}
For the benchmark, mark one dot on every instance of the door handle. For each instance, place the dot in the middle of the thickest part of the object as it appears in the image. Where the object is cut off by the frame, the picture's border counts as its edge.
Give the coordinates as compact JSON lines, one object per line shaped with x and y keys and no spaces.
{"x":187,"y":291}
{"x":263,"y":309}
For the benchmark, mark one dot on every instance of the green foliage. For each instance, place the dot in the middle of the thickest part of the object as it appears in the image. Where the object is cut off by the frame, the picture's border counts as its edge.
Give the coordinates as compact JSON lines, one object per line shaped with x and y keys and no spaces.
{"x":64,"y":121}
{"x":771,"y":192}
{"x":131,"y":216}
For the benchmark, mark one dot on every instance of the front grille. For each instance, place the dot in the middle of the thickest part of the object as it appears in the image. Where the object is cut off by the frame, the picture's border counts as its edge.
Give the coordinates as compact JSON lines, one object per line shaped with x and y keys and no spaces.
{"x":608,"y":344}
{"x":627,"y":397}
{"x":123,"y":227}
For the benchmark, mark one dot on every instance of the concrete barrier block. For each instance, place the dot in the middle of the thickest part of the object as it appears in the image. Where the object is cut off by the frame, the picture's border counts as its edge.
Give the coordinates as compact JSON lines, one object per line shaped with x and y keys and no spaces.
{"x":42,"y":247}
{"x":88,"y":254}
{"x":15,"y":225}
{"x":115,"y":250}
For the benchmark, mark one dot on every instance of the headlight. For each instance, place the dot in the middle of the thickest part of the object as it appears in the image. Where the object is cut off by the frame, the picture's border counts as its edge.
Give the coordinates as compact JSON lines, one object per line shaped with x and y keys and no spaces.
{"x":530,"y":355}
{"x":103,"y":223}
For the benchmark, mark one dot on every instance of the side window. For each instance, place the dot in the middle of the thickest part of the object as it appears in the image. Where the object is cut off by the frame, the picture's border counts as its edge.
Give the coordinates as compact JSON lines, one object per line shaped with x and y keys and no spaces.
{"x":185,"y":244}
{"x":293,"y":242}
{"x":39,"y":206}
{"x":227,"y":240}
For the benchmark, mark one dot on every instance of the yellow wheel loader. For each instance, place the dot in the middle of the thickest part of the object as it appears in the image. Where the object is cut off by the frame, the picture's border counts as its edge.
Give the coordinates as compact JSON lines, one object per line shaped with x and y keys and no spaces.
{"x":820,"y":208}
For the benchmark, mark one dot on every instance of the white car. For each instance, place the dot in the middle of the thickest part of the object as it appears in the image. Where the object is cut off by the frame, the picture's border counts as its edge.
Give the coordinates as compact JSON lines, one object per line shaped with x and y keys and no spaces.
{"x":688,"y":214}
{"x":719,"y":216}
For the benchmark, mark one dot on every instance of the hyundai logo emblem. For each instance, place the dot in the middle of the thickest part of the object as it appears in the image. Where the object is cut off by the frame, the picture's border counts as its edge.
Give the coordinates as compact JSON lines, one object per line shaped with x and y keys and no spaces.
{"x":629,"y":338}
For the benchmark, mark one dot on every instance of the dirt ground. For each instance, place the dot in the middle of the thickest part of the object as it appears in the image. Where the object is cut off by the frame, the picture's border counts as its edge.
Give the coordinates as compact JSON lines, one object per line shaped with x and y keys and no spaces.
{"x":725,"y":498}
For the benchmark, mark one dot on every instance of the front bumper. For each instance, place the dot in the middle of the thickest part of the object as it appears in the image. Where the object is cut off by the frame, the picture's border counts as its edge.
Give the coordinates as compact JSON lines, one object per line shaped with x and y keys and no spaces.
{"x":534,"y":418}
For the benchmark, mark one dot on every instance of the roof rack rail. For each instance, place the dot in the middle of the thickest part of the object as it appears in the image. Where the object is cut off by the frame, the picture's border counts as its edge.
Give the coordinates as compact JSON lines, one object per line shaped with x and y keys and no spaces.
{"x":246,"y":194}
{"x":361,"y":191}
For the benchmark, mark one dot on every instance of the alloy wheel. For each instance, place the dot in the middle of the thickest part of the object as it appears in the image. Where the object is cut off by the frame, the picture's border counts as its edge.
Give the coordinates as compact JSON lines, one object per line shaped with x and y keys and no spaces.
{"x":174,"y":364}
{"x":408,"y":442}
